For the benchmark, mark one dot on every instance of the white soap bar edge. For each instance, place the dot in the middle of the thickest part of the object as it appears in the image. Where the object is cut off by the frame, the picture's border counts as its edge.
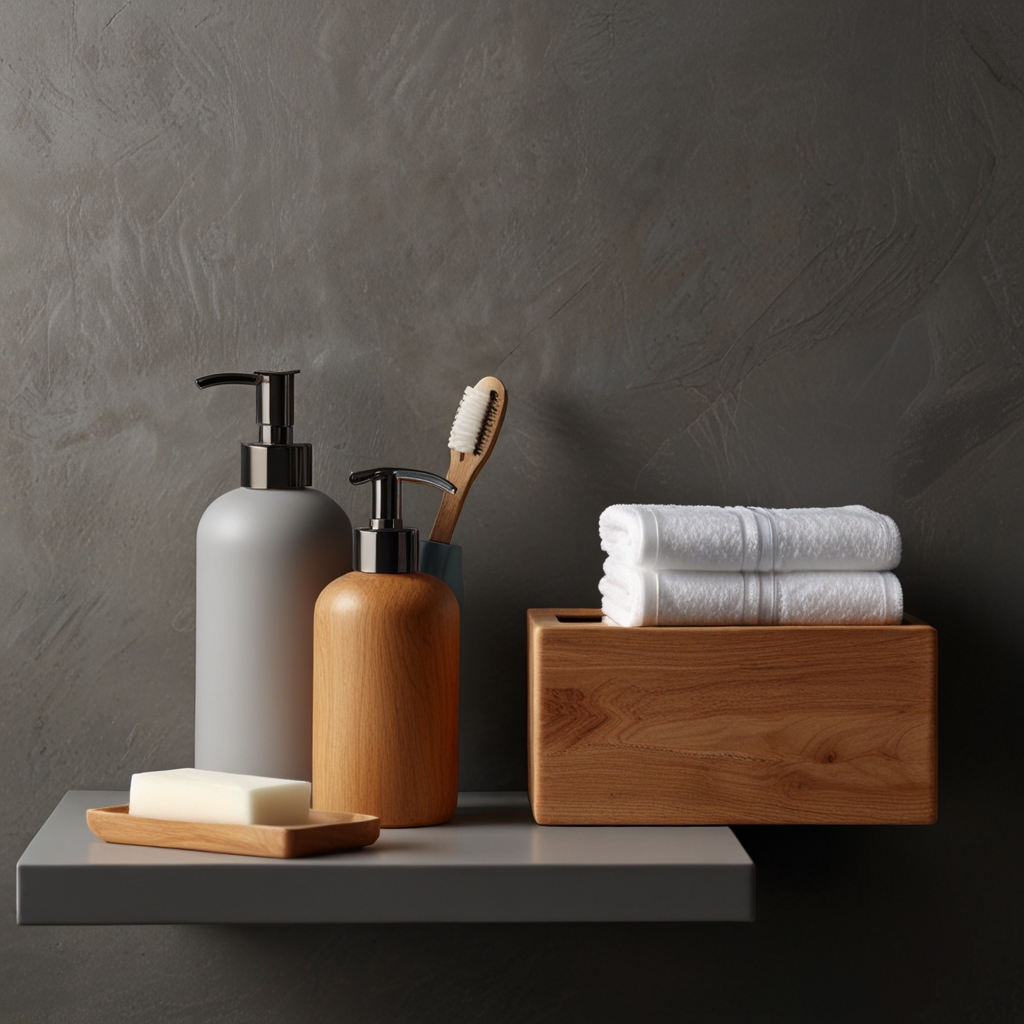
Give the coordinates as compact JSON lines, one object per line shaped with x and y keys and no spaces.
{"x":222,"y":798}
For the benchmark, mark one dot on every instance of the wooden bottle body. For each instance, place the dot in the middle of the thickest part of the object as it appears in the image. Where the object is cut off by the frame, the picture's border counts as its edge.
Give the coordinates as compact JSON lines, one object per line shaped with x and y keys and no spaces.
{"x":386,"y":698}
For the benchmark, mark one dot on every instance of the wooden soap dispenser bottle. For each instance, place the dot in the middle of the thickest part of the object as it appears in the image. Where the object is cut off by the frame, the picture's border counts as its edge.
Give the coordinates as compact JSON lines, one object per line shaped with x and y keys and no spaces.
{"x":386,"y":674}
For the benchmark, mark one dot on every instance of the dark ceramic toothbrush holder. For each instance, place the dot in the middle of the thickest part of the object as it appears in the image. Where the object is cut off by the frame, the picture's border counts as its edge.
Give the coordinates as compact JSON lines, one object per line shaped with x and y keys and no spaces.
{"x":445,"y":562}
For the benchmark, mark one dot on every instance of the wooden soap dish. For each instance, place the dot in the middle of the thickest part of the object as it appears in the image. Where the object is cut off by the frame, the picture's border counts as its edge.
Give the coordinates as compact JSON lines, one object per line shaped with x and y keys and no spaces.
{"x":325,"y":832}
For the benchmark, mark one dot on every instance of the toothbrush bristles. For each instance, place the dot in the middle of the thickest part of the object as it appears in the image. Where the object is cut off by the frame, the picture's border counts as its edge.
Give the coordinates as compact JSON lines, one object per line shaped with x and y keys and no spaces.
{"x":473,"y":419}
{"x":488,"y":424}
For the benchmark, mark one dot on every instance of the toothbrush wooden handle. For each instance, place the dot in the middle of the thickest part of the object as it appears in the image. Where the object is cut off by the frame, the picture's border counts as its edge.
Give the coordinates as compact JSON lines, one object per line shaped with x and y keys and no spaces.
{"x":459,"y":473}
{"x":447,"y":517}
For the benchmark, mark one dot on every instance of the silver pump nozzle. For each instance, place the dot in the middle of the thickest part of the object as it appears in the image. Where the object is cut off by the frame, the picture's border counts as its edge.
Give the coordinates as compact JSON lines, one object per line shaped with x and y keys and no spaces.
{"x":387,"y":546}
{"x":274,"y":461}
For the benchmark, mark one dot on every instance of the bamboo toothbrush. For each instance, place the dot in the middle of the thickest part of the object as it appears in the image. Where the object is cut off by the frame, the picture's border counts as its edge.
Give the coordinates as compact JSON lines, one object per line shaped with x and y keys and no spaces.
{"x":477,"y":423}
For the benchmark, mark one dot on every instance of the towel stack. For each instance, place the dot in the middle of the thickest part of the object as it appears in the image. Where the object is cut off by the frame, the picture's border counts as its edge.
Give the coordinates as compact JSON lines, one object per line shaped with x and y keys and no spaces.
{"x":701,"y":565}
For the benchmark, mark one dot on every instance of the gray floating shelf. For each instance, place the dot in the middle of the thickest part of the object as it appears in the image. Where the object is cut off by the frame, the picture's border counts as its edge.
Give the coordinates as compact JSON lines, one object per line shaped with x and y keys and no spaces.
{"x":490,"y":863}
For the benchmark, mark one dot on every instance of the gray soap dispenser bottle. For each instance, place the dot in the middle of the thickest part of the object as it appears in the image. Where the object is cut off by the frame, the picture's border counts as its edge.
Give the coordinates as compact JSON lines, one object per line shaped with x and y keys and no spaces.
{"x":264,"y":551}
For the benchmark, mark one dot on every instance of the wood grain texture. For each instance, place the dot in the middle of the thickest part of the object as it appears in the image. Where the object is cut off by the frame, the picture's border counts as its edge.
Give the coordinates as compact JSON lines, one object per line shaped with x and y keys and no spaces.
{"x":730,"y":724}
{"x":463,"y":468}
{"x":386,"y":698}
{"x":324,"y":833}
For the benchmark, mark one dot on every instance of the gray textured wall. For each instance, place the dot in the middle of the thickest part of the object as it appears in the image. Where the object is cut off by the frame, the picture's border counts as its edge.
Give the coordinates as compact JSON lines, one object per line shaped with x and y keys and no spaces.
{"x":719,"y":251}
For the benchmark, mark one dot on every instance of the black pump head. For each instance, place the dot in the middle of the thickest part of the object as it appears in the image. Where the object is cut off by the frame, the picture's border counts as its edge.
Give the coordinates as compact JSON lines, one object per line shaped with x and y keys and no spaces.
{"x":274,"y":461}
{"x":387,"y":546}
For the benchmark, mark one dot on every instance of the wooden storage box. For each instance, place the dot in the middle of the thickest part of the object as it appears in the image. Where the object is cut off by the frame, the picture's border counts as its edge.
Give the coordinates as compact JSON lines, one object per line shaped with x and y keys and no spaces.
{"x":730,"y":724}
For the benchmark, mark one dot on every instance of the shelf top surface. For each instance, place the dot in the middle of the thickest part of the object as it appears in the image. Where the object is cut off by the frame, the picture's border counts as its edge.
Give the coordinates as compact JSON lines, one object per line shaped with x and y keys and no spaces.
{"x":488,"y":829}
{"x":490,"y":863}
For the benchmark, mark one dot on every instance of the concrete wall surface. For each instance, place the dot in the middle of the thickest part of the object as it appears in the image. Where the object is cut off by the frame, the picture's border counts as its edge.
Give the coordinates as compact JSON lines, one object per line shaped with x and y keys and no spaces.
{"x":720,"y":251}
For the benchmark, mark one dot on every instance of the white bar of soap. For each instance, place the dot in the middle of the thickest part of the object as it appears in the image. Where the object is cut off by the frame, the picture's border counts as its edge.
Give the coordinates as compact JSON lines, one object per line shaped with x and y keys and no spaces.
{"x":191,"y":794}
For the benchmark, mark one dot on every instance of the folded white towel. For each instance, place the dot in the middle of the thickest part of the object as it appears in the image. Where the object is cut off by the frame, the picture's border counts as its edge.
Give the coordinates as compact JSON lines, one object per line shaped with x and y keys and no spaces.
{"x":640,"y":597}
{"x":713,"y":539}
